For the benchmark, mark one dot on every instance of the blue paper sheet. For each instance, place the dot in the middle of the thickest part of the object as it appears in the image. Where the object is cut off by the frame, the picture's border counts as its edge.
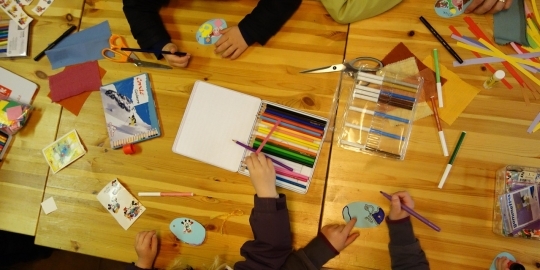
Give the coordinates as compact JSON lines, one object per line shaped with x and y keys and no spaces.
{"x":81,"y":47}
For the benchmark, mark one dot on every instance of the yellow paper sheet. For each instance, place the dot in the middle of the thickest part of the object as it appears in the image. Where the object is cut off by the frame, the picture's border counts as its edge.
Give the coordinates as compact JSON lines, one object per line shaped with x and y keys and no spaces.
{"x":3,"y":104}
{"x":457,"y":94}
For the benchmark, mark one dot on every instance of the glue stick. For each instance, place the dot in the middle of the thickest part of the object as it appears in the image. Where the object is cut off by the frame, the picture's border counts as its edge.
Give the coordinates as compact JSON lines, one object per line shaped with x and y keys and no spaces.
{"x":497,"y":76}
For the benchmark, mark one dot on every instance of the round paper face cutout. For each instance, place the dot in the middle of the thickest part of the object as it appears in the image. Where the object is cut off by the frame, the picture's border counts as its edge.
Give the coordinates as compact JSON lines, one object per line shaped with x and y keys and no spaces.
{"x":208,"y":32}
{"x":188,"y":231}
{"x":502,"y":254}
{"x":451,"y":8}
{"x":367,"y":215}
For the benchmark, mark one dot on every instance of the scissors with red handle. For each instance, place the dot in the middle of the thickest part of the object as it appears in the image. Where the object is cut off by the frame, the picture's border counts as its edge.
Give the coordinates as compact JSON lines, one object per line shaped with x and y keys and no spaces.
{"x":115,"y":54}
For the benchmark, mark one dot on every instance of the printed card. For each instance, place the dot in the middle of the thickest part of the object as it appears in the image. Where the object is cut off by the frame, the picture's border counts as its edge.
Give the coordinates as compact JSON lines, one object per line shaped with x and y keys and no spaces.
{"x":16,"y":12}
{"x":42,"y":6}
{"x":64,"y":151}
{"x":522,"y":207}
{"x":120,"y":203}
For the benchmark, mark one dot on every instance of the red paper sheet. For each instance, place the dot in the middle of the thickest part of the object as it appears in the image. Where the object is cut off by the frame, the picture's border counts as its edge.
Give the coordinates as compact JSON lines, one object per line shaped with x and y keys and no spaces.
{"x":74,"y":80}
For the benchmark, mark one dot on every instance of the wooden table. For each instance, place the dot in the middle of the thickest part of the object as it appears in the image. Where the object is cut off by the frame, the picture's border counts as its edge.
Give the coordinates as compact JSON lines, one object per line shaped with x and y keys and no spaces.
{"x":81,"y":224}
{"x":23,"y":173}
{"x":496,"y":123}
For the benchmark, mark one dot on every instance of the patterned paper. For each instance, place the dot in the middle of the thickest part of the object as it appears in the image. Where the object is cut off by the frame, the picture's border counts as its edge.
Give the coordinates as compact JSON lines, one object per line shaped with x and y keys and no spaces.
{"x":15,"y":12}
{"x":42,"y":6}
{"x":120,"y":203}
{"x":63,"y":151}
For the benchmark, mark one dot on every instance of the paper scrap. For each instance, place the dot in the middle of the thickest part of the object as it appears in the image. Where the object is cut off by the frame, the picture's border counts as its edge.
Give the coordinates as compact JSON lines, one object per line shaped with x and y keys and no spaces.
{"x":16,"y":12}
{"x":42,"y":6}
{"x":74,"y":80}
{"x":457,"y":94}
{"x":3,"y":104}
{"x":48,"y":205}
{"x":14,"y":113}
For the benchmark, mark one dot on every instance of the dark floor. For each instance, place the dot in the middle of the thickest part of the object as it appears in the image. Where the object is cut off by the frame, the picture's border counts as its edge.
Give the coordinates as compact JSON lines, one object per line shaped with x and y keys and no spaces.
{"x":18,"y":252}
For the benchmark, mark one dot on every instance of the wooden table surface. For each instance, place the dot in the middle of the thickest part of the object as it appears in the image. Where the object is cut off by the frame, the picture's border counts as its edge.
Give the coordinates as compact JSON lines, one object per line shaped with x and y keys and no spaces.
{"x":23,"y":173}
{"x":496,"y":122}
{"x":310,"y":39}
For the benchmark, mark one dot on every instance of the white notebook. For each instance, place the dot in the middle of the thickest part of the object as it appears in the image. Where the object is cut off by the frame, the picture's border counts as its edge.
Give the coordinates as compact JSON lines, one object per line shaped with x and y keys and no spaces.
{"x":214,"y":117}
{"x":15,"y":87}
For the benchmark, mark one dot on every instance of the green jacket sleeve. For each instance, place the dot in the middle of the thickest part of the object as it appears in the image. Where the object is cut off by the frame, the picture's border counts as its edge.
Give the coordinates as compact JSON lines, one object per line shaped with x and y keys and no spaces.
{"x":348,"y":11}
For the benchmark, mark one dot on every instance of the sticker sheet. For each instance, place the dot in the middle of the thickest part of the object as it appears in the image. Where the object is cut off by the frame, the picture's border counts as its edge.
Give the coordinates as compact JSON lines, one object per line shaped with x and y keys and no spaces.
{"x":451,"y":8}
{"x":120,"y":203}
{"x":208,"y":32}
{"x":42,"y":6}
{"x":64,"y":151}
{"x":16,"y":12}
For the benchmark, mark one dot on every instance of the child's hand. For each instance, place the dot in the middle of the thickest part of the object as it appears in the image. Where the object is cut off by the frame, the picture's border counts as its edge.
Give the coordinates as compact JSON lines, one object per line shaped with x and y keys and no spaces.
{"x":263,"y":175}
{"x":339,"y":235}
{"x":231,"y":43}
{"x":146,"y":244}
{"x":175,"y":60}
{"x":501,"y":263}
{"x":487,"y":6}
{"x":398,"y":198}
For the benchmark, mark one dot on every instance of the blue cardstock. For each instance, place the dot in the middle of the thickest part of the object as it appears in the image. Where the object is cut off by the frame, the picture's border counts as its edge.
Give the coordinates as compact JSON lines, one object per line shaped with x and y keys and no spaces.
{"x":367,"y":215}
{"x":188,"y":231}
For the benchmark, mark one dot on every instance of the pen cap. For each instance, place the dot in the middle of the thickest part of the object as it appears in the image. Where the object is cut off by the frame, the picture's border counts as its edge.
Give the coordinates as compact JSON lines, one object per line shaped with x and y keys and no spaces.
{"x":499,"y":75}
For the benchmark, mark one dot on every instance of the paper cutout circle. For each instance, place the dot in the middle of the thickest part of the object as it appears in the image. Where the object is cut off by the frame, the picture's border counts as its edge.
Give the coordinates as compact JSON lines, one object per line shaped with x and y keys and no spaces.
{"x":505,"y":254}
{"x":367,"y":215}
{"x":188,"y":231}
{"x":208,"y":32}
{"x":451,"y":8}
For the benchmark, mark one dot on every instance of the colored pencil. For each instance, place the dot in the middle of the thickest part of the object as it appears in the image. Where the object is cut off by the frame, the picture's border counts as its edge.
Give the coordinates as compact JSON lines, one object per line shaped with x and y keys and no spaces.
{"x":253,"y":150}
{"x":383,"y":100}
{"x":439,"y":127}
{"x":441,"y":40}
{"x":376,"y":131}
{"x":288,"y":138}
{"x":438,"y":76}
{"x":293,"y":136}
{"x":283,"y":120}
{"x":304,"y":117}
{"x":284,"y":180}
{"x":268,"y":136}
{"x":290,"y":174}
{"x":414,"y":213}
{"x":291,"y":146}
{"x":282,"y":154}
{"x":379,"y":114}
{"x":308,"y":157}
{"x":166,"y":194}
{"x":363,"y":89}
{"x":451,"y":161}
{"x":286,"y":130}
{"x":299,"y":129}
{"x":153,"y":51}
{"x":293,"y":118}
{"x":380,"y":80}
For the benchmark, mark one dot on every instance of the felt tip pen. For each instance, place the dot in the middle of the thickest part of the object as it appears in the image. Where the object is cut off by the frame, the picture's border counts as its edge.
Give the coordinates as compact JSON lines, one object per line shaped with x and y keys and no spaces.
{"x":451,"y":161}
{"x":438,"y":77}
{"x":166,"y":194}
{"x":54,"y":43}
{"x":153,"y":51}
{"x":414,"y":214}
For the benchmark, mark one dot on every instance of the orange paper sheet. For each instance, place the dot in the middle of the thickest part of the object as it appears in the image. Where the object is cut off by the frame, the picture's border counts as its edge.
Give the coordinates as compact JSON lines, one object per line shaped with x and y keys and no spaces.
{"x":457,"y":94}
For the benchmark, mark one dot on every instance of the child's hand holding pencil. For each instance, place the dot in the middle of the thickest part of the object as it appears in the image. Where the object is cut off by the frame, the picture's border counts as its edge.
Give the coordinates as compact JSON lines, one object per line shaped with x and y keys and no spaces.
{"x":262,"y":174}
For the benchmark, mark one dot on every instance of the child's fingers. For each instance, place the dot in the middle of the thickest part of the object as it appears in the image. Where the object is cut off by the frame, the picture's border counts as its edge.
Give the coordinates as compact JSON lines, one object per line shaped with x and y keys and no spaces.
{"x":249,"y":162}
{"x":262,"y":158}
{"x":137,"y":238}
{"x":351,"y":238}
{"x":350,"y":225}
{"x":154,"y":244}
{"x":147,"y":240}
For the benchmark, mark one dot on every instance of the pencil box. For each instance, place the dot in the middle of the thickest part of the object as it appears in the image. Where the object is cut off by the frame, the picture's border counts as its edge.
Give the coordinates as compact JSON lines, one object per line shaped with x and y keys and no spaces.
{"x":379,"y":114}
{"x":5,"y":140}
{"x":216,"y":117}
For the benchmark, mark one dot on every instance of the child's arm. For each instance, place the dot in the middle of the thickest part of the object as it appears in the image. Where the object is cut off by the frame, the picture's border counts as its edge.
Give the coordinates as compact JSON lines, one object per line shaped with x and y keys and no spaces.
{"x":146,"y":245}
{"x":405,"y":250}
{"x":146,"y":24}
{"x":349,"y":11}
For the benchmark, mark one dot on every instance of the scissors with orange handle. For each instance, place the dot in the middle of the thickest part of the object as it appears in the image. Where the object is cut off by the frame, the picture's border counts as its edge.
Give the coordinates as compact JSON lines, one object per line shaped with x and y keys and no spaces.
{"x":115,"y":54}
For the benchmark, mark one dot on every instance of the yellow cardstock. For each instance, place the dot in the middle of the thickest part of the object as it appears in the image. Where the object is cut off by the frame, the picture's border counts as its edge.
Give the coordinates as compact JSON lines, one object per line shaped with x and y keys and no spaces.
{"x":457,"y":94}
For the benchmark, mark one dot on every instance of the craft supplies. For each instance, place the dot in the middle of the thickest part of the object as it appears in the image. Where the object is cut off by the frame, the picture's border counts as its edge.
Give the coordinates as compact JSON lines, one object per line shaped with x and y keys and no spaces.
{"x":379,"y":114}
{"x":13,"y":40}
{"x":188,"y":231}
{"x":441,"y":39}
{"x":451,"y":161}
{"x":217,"y":120}
{"x":16,"y":13}
{"x":496,"y":77}
{"x":54,"y":43}
{"x":367,"y":215}
{"x":5,"y":140}
{"x":165,"y":194}
{"x":439,"y":127}
{"x":123,"y":206}
{"x":414,"y":213}
{"x":438,"y":77}
{"x":64,"y":151}
{"x":13,"y":115}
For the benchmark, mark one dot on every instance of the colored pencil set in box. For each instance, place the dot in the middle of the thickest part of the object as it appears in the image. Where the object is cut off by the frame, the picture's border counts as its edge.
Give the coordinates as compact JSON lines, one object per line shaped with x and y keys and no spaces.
{"x":221,"y":127}
{"x":379,"y":114}
{"x":13,"y":39}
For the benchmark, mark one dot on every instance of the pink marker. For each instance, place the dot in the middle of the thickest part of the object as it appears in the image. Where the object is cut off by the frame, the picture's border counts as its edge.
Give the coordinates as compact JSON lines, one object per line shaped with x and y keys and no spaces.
{"x":166,"y":194}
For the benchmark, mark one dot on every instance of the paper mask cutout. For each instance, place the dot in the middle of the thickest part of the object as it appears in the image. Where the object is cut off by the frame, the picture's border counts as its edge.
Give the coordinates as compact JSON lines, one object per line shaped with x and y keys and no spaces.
{"x":188,"y":231}
{"x":367,"y":215}
{"x":451,"y":8}
{"x":208,"y":32}
{"x":505,"y":254}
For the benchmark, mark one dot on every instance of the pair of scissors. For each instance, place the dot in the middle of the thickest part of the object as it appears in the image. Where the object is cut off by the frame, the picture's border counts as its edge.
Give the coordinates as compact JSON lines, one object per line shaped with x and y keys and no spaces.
{"x":115,"y":54}
{"x":364,"y":64}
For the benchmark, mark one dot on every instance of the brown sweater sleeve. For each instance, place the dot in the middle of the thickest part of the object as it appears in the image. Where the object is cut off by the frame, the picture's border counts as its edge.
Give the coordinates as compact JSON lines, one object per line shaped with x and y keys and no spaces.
{"x":405,"y":250}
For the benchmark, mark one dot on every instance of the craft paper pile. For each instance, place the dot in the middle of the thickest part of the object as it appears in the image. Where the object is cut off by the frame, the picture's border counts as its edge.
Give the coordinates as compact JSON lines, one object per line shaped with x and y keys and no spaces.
{"x":13,"y":115}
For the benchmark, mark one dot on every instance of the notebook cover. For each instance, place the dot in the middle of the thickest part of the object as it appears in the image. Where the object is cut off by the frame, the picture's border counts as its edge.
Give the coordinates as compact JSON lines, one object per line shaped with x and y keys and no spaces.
{"x":130,"y":111}
{"x":214,"y":117}
{"x":15,"y":87}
